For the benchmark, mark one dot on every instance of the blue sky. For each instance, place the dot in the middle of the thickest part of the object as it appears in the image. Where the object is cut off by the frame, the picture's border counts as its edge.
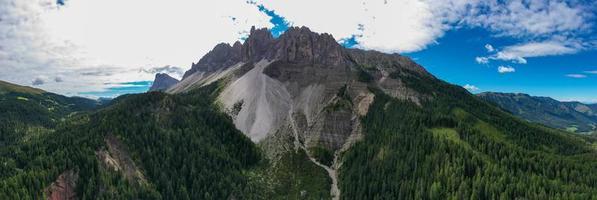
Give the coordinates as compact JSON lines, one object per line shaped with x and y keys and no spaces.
{"x":120,"y":89}
{"x":453,"y":58}
{"x":540,"y":47}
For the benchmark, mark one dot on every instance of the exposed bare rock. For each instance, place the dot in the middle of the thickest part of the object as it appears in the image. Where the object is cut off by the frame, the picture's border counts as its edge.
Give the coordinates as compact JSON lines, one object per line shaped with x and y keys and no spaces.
{"x":200,"y":78}
{"x":297,"y":77}
{"x":162,"y":82}
{"x":223,"y":55}
{"x":386,"y":62}
{"x":266,"y":102}
{"x":301,"y":45}
{"x":64,"y":186}
{"x":302,"y":90}
{"x":364,"y":101}
{"x":257,"y":45}
{"x":116,"y":158}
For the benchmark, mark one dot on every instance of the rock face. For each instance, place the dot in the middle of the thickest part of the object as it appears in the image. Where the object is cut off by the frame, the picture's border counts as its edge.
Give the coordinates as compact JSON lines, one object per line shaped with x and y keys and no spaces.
{"x":64,"y":187}
{"x":116,"y":158}
{"x":162,"y":82}
{"x":574,"y":116}
{"x":302,"y":80}
{"x":223,"y":55}
{"x":300,"y":91}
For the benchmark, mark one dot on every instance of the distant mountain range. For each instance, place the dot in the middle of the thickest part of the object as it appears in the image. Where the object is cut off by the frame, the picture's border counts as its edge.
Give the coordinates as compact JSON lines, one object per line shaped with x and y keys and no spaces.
{"x":571,"y":116}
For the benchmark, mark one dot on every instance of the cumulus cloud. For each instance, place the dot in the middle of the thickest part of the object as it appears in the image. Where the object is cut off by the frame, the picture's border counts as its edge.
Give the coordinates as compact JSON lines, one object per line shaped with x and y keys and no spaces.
{"x":471,"y":88}
{"x":506,"y":69}
{"x":88,"y":47}
{"x":390,"y":26}
{"x":576,"y":75}
{"x":521,"y":18}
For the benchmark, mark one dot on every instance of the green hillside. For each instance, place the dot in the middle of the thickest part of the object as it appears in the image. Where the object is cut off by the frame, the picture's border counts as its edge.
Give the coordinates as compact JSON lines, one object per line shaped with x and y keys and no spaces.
{"x":28,"y":112}
{"x":571,"y":116}
{"x":455,"y":146}
{"x":161,"y":146}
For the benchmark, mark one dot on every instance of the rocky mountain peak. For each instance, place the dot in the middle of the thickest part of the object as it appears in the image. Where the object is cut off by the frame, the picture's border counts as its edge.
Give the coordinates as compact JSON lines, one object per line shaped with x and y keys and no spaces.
{"x":257,"y":44}
{"x":295,"y":45}
{"x":301,"y":45}
{"x":222,"y":55}
{"x":162,"y":82}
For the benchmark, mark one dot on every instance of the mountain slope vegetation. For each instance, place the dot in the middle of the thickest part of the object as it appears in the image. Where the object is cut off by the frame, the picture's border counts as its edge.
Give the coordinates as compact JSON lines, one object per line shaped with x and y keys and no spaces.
{"x":184,"y":148}
{"x":458,"y":147}
{"x":572,"y":116}
{"x":27,"y":111}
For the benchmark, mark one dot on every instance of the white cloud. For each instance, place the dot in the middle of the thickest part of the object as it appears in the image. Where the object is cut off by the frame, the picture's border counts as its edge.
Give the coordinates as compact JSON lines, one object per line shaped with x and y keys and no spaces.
{"x":390,"y":26}
{"x":576,"y":75}
{"x":521,"y":18}
{"x":553,"y":27}
{"x":519,"y":52}
{"x":173,"y":71}
{"x":482,"y":60}
{"x":412,"y":25}
{"x":591,"y":72}
{"x":471,"y":88}
{"x":489,"y":48}
{"x":113,"y":38}
{"x":506,"y":69}
{"x":88,"y":42}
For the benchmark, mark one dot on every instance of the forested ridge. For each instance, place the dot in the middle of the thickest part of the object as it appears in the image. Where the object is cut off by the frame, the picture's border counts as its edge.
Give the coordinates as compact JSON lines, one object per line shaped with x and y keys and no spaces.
{"x":454,"y":146}
{"x":451,"y":145}
{"x":27,"y":111}
{"x":182,"y":144}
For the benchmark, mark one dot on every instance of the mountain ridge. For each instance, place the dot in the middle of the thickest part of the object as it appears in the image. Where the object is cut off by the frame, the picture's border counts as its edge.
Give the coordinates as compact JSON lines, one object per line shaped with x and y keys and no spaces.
{"x":573,"y":116}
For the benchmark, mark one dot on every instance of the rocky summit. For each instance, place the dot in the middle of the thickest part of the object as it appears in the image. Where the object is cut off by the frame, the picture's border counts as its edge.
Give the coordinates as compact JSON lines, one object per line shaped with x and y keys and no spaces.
{"x":162,"y":82}
{"x":301,"y":90}
{"x":302,"y":85}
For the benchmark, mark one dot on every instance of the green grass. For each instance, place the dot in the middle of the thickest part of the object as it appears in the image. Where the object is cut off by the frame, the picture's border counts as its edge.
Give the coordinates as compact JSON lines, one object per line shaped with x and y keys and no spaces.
{"x":490,"y":131}
{"x":447,"y":133}
{"x":22,"y":98}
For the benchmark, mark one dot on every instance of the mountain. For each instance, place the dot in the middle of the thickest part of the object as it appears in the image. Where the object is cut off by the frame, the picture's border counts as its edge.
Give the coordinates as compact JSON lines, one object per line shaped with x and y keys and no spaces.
{"x":574,"y":116}
{"x":162,"y":82}
{"x":301,"y":117}
{"x":26,"y":110}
